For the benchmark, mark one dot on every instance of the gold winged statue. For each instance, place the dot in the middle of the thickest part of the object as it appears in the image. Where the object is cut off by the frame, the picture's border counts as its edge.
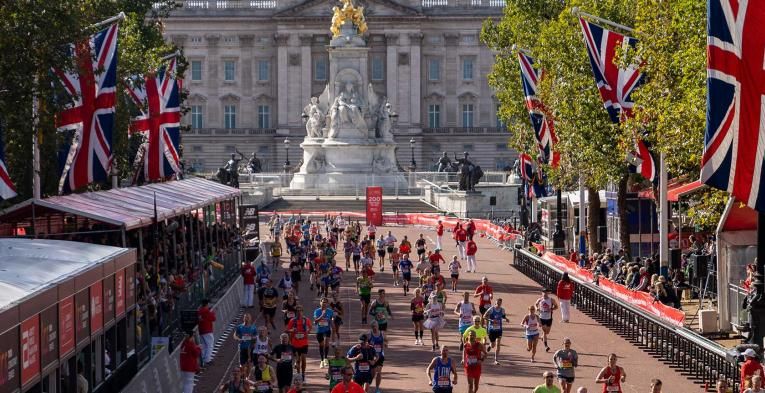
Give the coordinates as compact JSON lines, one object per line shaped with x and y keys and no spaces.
{"x":348,"y":13}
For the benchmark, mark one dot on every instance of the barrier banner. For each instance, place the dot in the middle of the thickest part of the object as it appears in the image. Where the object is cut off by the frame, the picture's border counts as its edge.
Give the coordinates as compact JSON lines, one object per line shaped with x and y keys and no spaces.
{"x":374,"y":206}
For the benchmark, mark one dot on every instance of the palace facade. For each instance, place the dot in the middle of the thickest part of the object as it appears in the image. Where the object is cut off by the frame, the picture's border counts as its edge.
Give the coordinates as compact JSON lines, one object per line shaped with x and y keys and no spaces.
{"x":255,"y":64}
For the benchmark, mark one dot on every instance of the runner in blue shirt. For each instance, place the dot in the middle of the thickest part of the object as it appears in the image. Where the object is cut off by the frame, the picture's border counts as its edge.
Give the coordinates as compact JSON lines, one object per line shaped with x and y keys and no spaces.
{"x":495,"y":314}
{"x":244,"y":334}
{"x":406,"y":265}
{"x":441,"y":367}
{"x":379,"y":343}
{"x":322,"y":319}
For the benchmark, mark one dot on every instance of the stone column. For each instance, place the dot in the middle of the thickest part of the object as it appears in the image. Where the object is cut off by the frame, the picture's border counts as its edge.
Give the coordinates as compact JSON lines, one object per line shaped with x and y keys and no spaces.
{"x":212,"y":82}
{"x":450,"y":70}
{"x":415,"y":42}
{"x":391,"y":69}
{"x":306,"y":66}
{"x":282,"y":77}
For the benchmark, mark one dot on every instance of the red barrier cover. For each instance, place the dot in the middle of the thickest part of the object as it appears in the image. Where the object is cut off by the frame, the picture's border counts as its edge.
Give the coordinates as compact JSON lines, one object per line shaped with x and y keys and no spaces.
{"x":637,"y":298}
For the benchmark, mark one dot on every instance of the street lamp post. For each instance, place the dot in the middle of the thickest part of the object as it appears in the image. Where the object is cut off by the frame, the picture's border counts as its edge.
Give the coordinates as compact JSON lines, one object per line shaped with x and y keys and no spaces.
{"x":559,"y":236}
{"x":413,"y":164}
{"x":287,"y":157}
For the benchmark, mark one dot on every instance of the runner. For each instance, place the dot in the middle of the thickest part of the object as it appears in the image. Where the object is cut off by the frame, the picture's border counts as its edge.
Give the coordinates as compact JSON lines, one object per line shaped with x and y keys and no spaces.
{"x":379,"y":343}
{"x":439,"y":235}
{"x":546,"y":305}
{"x":286,"y":283}
{"x":348,"y":385}
{"x":611,"y":376}
{"x":365,"y":359}
{"x":470,"y":251}
{"x":243,"y":335}
{"x":262,"y":378}
{"x":322,"y":319}
{"x":485,"y":293}
{"x":381,"y":251}
{"x":434,"y":311}
{"x":405,"y":247}
{"x":268,"y":297}
{"x":548,"y":386}
{"x":337,"y":319}
{"x":420,"y":245}
{"x":364,"y":288}
{"x":566,"y":360}
{"x":441,"y":295}
{"x":531,"y":325}
{"x":348,"y":250}
{"x":296,"y":268}
{"x":494,"y":315}
{"x":235,"y":383}
{"x":298,"y":329}
{"x":276,"y":253}
{"x":248,"y":279}
{"x":565,"y":291}
{"x":367,"y":264}
{"x":405,"y":265}
{"x":371,"y":231}
{"x":380,"y":310}
{"x":356,"y":251}
{"x":289,"y":307}
{"x":454,"y":271}
{"x":337,"y":364}
{"x":263,"y":273}
{"x":335,"y":276}
{"x":656,"y":386}
{"x":390,"y":244}
{"x":395,"y":257}
{"x":465,"y":311}
{"x":417,"y":305}
{"x":261,"y":343}
{"x":441,"y":367}
{"x":284,"y":354}
{"x":481,"y":333}
{"x":435,"y":260}
{"x":472,"y":357}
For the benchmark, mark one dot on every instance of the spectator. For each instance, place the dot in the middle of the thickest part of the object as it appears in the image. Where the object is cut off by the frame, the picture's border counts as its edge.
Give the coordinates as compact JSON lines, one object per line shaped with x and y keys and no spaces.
{"x":206,"y":319}
{"x":189,"y":362}
{"x":750,"y":367}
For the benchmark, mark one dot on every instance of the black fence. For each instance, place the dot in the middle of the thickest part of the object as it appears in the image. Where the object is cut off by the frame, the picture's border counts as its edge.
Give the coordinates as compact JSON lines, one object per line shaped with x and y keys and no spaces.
{"x":692,"y":355}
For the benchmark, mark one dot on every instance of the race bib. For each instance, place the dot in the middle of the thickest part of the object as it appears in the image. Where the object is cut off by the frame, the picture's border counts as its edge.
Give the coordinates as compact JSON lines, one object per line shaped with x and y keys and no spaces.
{"x":612,"y":388}
{"x":286,"y":357}
{"x":566,"y":364}
{"x":486,"y":297}
{"x":466,"y":319}
{"x":263,"y":386}
{"x":444,"y":381}
{"x":290,"y":314}
{"x":364,"y":367}
{"x":337,"y":376}
{"x":246,"y":337}
{"x":323,"y":323}
{"x":378,"y":348}
{"x":472,"y":360}
{"x":299,"y":336}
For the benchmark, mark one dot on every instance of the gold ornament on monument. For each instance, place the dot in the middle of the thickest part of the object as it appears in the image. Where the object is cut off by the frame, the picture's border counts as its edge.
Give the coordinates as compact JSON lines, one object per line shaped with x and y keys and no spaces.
{"x":349,"y":13}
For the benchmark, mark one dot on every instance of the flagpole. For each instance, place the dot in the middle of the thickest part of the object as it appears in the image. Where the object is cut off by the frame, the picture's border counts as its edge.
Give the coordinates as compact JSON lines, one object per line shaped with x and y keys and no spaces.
{"x":582,"y":217}
{"x":171,"y":56}
{"x":663,"y":218}
{"x":35,"y":145}
{"x":111,"y":20}
{"x":576,"y":11}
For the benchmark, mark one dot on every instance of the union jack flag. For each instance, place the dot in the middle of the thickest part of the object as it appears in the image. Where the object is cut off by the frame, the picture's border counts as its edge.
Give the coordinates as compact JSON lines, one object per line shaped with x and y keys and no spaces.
{"x":159,"y":121}
{"x":646,"y":168}
{"x":544,"y":131}
{"x":538,"y":187}
{"x":91,"y":87}
{"x":734,"y":142}
{"x":616,"y":84}
{"x":526,"y":166}
{"x":7,"y":190}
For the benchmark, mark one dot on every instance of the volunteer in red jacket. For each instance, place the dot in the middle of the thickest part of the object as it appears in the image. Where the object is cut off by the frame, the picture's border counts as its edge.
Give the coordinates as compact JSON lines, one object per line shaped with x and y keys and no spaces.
{"x":470,"y":229}
{"x":439,"y":234}
{"x":206,"y":319}
{"x":472,"y":248}
{"x":189,"y":359}
{"x":460,"y":235}
{"x":248,"y":278}
{"x":565,"y":292}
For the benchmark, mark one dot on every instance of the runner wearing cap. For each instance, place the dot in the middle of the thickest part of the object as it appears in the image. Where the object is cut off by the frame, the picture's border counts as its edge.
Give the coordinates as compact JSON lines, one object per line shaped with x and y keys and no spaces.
{"x":472,"y":357}
{"x":546,"y":305}
{"x":494,"y":315}
{"x":439,"y":370}
{"x":378,"y":341}
{"x":566,"y":360}
{"x":365,"y":358}
{"x":481,"y":334}
{"x":548,"y":386}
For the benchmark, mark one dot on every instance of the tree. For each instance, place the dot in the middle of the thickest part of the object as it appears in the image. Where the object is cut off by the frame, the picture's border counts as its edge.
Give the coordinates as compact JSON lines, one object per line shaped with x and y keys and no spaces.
{"x":47,"y":27}
{"x":590,"y":145}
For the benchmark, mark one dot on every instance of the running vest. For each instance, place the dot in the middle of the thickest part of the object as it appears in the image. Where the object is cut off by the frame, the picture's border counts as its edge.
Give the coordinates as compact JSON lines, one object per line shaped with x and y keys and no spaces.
{"x":262,"y":379}
{"x":472,"y":354}
{"x":545,"y":308}
{"x":615,"y":387}
{"x":261,"y":346}
{"x":495,"y":319}
{"x":287,"y":282}
{"x":466,"y":314}
{"x":234,"y":388}
{"x":532,"y":325}
{"x":377,"y":343}
{"x":441,"y":376}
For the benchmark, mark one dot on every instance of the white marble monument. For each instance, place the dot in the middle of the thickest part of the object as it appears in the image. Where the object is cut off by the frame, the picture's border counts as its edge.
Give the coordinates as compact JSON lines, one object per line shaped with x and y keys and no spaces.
{"x":348,"y":127}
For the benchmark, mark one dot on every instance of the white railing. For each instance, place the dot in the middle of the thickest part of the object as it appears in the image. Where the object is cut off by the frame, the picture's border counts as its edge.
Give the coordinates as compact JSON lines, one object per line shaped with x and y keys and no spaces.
{"x":227,"y":4}
{"x":462,"y":3}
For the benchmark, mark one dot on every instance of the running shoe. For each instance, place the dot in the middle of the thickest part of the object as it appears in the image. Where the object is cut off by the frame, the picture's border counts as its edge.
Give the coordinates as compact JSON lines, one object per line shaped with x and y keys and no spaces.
{"x":496,"y":363}
{"x":416,"y":341}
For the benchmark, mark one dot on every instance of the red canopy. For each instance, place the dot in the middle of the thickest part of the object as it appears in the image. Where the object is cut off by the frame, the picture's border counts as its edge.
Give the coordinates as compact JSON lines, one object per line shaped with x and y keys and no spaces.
{"x":131,"y":207}
{"x":675,"y":189}
{"x":738,"y":217}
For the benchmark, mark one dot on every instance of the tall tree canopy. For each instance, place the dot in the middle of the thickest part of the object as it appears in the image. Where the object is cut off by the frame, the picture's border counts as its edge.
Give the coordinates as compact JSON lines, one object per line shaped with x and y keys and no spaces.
{"x":33,"y":38}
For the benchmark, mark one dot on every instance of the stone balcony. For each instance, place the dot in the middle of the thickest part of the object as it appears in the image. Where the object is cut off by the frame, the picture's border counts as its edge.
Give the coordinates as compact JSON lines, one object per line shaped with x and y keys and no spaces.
{"x":231,"y":131}
{"x":465,"y":130}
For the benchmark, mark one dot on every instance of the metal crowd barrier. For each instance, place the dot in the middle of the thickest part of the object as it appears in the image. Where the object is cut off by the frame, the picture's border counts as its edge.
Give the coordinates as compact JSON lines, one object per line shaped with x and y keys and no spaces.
{"x":694,"y":356}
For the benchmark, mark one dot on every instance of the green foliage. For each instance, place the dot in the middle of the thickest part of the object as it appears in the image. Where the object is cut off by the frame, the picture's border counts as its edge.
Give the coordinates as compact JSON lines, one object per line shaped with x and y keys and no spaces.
{"x":34,"y":35}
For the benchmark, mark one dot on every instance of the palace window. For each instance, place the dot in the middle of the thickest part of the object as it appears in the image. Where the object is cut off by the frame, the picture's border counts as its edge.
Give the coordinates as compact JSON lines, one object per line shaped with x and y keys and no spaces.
{"x":320,"y":69}
{"x":263,"y":70}
{"x":196,"y":116}
{"x":434,"y":116}
{"x":196,"y":70}
{"x":467,"y":115}
{"x":434,"y":69}
{"x":467,"y":68}
{"x":229,"y":70}
{"x":264,"y":116}
{"x":229,"y":116}
{"x":378,"y":70}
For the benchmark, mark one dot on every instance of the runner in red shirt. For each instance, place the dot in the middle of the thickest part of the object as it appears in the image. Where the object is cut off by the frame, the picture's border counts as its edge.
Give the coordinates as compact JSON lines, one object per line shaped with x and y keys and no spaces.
{"x":298,"y":328}
{"x":248,"y":279}
{"x":472,"y":357}
{"x":439,"y":234}
{"x":485,"y":293}
{"x":189,"y":362}
{"x":348,"y":385}
{"x":472,"y":248}
{"x":435,"y":260}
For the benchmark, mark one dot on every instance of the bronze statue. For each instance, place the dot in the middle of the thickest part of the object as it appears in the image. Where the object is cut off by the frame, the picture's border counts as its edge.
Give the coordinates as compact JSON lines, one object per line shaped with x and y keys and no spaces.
{"x":444,"y":163}
{"x":254,"y":164}
{"x":229,"y":173}
{"x":470,"y":173}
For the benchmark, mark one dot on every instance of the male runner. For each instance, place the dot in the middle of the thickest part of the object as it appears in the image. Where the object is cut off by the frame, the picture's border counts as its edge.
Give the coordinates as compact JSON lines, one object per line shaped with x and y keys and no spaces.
{"x":439,"y":370}
{"x":268,"y":297}
{"x":494,"y":315}
{"x":365,"y":358}
{"x":472,"y":357}
{"x":566,"y":360}
{"x":379,"y":343}
{"x":298,"y":328}
{"x":546,"y":305}
{"x":405,"y":265}
{"x":485,"y":294}
{"x":364,"y":288}
{"x":380,"y":310}
{"x":322,"y":319}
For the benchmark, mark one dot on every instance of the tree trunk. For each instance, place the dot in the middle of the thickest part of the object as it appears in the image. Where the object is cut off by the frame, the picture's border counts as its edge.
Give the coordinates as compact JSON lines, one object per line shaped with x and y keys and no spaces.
{"x":593,"y":219}
{"x":621,"y":205}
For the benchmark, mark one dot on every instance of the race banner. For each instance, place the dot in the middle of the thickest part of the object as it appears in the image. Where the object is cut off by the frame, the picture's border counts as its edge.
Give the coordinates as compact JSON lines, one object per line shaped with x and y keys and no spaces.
{"x":374,"y":206}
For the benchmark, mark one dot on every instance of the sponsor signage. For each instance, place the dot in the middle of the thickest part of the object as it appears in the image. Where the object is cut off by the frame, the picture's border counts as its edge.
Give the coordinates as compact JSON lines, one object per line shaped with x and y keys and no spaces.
{"x":48,"y":337}
{"x":9,"y":361}
{"x":30,"y":349}
{"x":249,"y":220}
{"x":129,"y":286}
{"x":119,"y":293}
{"x":82,"y":316}
{"x":66,"y":322}
{"x":108,"y":299}
{"x":374,"y":206}
{"x":96,"y":307}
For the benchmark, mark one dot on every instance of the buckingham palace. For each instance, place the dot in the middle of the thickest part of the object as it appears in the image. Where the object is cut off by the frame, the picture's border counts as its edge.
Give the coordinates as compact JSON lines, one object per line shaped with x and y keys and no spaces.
{"x":254,"y":64}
